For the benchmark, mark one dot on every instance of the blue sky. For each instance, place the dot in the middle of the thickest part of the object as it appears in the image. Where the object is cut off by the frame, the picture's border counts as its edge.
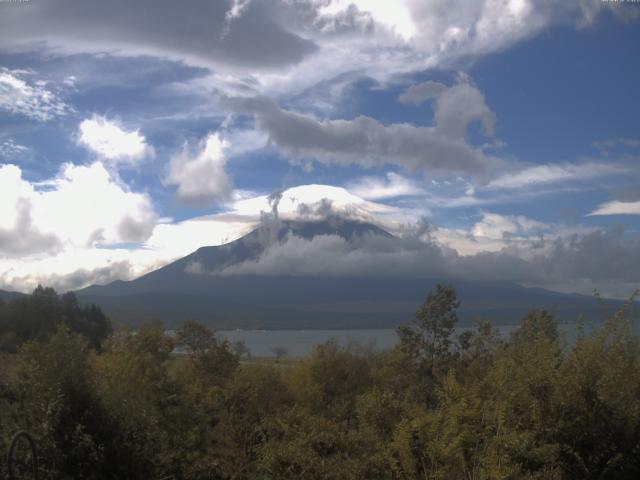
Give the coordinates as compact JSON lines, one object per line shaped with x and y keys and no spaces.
{"x":509,"y":126}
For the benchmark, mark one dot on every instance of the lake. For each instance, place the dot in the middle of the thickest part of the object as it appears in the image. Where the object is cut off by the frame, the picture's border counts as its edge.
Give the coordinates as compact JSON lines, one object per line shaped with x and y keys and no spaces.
{"x":301,"y":342}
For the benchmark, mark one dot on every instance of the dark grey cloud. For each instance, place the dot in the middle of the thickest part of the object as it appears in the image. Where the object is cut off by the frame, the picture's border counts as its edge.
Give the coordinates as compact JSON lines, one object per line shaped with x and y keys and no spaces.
{"x":274,"y":199}
{"x":606,"y":260}
{"x":25,"y":238}
{"x":456,"y":106}
{"x":271,"y":34}
{"x":278,"y":32}
{"x":196,"y":29}
{"x":133,"y":229}
{"x":79,"y":278}
{"x":362,"y":141}
{"x":331,"y":255}
{"x":82,"y":277}
{"x":599,"y":255}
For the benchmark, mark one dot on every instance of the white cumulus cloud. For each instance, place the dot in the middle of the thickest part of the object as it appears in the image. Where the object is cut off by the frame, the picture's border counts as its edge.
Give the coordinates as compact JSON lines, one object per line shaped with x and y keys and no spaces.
{"x":68,"y":226}
{"x":81,"y":207}
{"x":112,"y":143}
{"x":200,"y":177}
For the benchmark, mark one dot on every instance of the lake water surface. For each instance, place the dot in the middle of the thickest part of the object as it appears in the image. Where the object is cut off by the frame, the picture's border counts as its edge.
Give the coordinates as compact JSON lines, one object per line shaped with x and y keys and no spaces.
{"x":261,"y":343}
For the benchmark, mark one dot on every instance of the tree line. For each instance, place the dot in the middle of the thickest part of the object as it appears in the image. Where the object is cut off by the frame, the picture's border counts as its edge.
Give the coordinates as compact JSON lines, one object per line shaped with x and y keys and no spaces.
{"x":437,"y":406}
{"x":36,"y":317}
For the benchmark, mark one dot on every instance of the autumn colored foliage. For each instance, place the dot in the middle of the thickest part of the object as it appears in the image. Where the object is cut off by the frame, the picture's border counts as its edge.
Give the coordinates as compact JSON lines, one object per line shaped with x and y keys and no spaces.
{"x":438,"y":406}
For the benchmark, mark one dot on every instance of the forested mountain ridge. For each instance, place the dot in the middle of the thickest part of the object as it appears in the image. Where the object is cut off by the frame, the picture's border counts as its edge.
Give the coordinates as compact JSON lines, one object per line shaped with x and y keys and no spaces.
{"x":7,"y":295}
{"x":36,"y":317}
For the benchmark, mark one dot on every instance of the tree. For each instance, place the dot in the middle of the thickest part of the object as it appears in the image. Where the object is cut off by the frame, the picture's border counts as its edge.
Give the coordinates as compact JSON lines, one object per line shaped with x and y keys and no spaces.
{"x":60,"y":405}
{"x":209,"y":355}
{"x":280,"y":352}
{"x":597,"y":403}
{"x":329,"y":380}
{"x":194,"y":337}
{"x":536,"y":325}
{"x":241,"y":350}
{"x":428,"y":340}
{"x":132,"y":380}
{"x":89,"y":321}
{"x":37,"y":316}
{"x":480,"y":346}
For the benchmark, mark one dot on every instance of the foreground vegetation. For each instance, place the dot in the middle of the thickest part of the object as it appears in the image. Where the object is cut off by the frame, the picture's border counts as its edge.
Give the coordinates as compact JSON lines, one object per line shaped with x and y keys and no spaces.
{"x":438,"y":406}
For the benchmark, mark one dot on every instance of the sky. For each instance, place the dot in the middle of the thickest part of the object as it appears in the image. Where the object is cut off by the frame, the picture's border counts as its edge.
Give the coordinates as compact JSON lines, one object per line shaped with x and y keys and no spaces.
{"x":501,"y":134}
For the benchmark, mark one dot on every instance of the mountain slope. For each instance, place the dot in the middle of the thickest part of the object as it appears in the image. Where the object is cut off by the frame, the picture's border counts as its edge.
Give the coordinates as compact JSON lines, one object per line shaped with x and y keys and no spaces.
{"x":7,"y":295}
{"x":194,"y":287}
{"x":195,"y":273}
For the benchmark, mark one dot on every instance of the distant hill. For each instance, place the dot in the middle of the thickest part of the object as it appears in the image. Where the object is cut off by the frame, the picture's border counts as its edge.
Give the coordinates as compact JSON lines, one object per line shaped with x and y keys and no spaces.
{"x":7,"y":295}
{"x":193,"y":288}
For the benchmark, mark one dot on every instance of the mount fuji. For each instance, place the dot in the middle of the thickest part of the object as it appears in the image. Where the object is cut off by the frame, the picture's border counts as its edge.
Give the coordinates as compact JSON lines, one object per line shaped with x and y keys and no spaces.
{"x":224,"y":287}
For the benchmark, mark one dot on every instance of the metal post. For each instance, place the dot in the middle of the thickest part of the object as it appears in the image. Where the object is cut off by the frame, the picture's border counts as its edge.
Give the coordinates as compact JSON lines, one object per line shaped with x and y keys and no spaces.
{"x":14,"y":463}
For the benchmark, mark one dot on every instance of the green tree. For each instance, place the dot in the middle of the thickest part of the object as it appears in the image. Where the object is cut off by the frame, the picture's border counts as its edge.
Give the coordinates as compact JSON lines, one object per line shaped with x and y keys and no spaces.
{"x":209,"y":354}
{"x":523,"y":381}
{"x":536,"y":325}
{"x":194,"y":337}
{"x":132,"y":380}
{"x":37,"y":316}
{"x":60,"y":406}
{"x":329,"y":381}
{"x":597,"y":404}
{"x":428,"y":340}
